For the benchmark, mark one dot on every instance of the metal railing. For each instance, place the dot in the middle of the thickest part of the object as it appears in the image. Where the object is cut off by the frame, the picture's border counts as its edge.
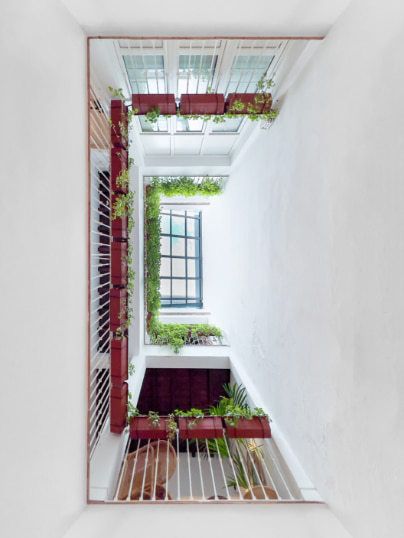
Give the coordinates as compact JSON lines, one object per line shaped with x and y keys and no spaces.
{"x":100,"y":274}
{"x":204,"y":470}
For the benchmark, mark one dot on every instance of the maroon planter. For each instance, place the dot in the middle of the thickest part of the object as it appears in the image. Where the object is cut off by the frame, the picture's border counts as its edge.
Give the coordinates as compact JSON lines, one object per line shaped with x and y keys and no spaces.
{"x":119,"y":162}
{"x":119,"y":264}
{"x":205,"y":428}
{"x":246,"y":99}
{"x":256,"y":427}
{"x":142,"y":428}
{"x":117,"y":304}
{"x":202,"y":103}
{"x":119,"y":361}
{"x":119,"y":228}
{"x":146,"y":102}
{"x":119,"y":114}
{"x":118,"y":408}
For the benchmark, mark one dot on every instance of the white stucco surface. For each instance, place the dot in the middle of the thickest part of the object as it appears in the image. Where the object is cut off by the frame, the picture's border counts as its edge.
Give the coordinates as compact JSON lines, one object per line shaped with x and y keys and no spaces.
{"x":316,"y":295}
{"x":311,"y":230}
{"x":175,"y":18}
{"x":43,"y":220}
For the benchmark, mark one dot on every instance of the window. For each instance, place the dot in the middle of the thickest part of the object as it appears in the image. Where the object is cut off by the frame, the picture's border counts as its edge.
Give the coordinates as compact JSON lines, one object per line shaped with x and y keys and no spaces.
{"x":196,"y":73}
{"x":246,"y":71}
{"x":181,"y":259}
{"x":145,"y":73}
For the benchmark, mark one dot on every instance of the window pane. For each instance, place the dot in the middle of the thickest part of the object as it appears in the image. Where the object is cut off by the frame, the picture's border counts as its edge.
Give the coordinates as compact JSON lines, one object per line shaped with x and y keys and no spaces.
{"x":230,"y":125}
{"x":178,"y":267}
{"x":193,"y":268}
{"x":165,"y":287}
{"x":180,"y":270}
{"x":178,"y":226}
{"x":145,"y":73}
{"x":165,"y":224}
{"x":193,"y":247}
{"x":193,"y":288}
{"x":148,"y":127}
{"x":189,"y":125}
{"x":165,"y":267}
{"x":178,"y":246}
{"x":165,"y":246}
{"x":195,"y":72}
{"x":178,"y":288}
{"x":193,"y":227}
{"x":246,"y":72}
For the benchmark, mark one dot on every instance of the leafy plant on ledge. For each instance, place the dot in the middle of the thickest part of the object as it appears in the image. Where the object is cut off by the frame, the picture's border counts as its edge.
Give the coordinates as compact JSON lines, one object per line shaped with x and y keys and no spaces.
{"x":123,"y":207}
{"x":174,"y":335}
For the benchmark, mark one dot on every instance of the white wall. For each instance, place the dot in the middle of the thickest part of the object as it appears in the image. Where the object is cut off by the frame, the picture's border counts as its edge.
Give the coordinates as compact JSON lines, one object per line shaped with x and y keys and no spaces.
{"x":347,"y":251}
{"x":43,"y":269}
{"x":313,"y":222}
{"x":225,"y":18}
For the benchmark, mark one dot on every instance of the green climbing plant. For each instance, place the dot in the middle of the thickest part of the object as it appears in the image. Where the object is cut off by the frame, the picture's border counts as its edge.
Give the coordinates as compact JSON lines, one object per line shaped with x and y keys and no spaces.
{"x":171,"y":334}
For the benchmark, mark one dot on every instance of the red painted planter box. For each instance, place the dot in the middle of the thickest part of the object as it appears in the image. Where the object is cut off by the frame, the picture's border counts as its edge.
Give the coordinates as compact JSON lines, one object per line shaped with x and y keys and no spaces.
{"x":119,"y":361}
{"x":119,"y":228}
{"x":118,"y":408}
{"x":205,"y":428}
{"x":146,"y":102}
{"x":142,"y":428}
{"x":119,"y":162}
{"x":248,"y":98}
{"x":119,"y":265}
{"x":117,"y":304}
{"x":202,"y":103}
{"x":119,"y":114}
{"x":256,"y":427}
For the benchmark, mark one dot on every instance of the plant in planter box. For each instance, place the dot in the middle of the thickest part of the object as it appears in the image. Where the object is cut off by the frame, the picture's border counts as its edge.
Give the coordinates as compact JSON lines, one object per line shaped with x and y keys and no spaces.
{"x":153,"y":105}
{"x":150,"y":426}
{"x":240,"y":420}
{"x":193,"y":424}
{"x":119,"y":360}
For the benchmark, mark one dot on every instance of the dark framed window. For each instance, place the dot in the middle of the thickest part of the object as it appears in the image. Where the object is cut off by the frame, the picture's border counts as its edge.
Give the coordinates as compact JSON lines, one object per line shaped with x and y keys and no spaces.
{"x":181,"y":259}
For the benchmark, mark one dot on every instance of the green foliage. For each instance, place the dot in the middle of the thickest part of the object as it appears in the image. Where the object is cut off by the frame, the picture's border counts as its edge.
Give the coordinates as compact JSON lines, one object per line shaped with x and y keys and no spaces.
{"x":123,"y":207}
{"x":154,"y":418}
{"x":117,"y":93}
{"x":176,"y":334}
{"x":186,"y":186}
{"x":171,"y":427}
{"x":153,"y":115}
{"x":170,"y":334}
{"x":234,"y":406}
{"x":123,"y":179}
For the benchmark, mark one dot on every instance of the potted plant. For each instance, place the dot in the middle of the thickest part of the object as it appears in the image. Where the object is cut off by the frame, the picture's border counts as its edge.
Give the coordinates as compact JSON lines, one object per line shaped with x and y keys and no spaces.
{"x":146,"y":103}
{"x":118,"y":308}
{"x":202,"y":103}
{"x":194,"y":425}
{"x":241,"y":421}
{"x":248,"y":103}
{"x":118,"y":408}
{"x":119,"y":170}
{"x":240,"y":427}
{"x":151,"y":426}
{"x":119,"y":360}
{"x":119,"y":123}
{"x":119,"y":263}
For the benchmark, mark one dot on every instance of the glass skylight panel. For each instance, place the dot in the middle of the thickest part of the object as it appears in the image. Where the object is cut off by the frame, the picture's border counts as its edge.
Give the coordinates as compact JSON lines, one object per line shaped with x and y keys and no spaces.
{"x":146,"y":73}
{"x":195,"y":74}
{"x":230,"y":125}
{"x":246,"y":71}
{"x":161,"y":126}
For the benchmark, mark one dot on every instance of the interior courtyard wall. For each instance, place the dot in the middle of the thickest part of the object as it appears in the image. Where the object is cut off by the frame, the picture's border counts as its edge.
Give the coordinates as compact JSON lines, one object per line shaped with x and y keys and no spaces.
{"x":315,"y":247}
